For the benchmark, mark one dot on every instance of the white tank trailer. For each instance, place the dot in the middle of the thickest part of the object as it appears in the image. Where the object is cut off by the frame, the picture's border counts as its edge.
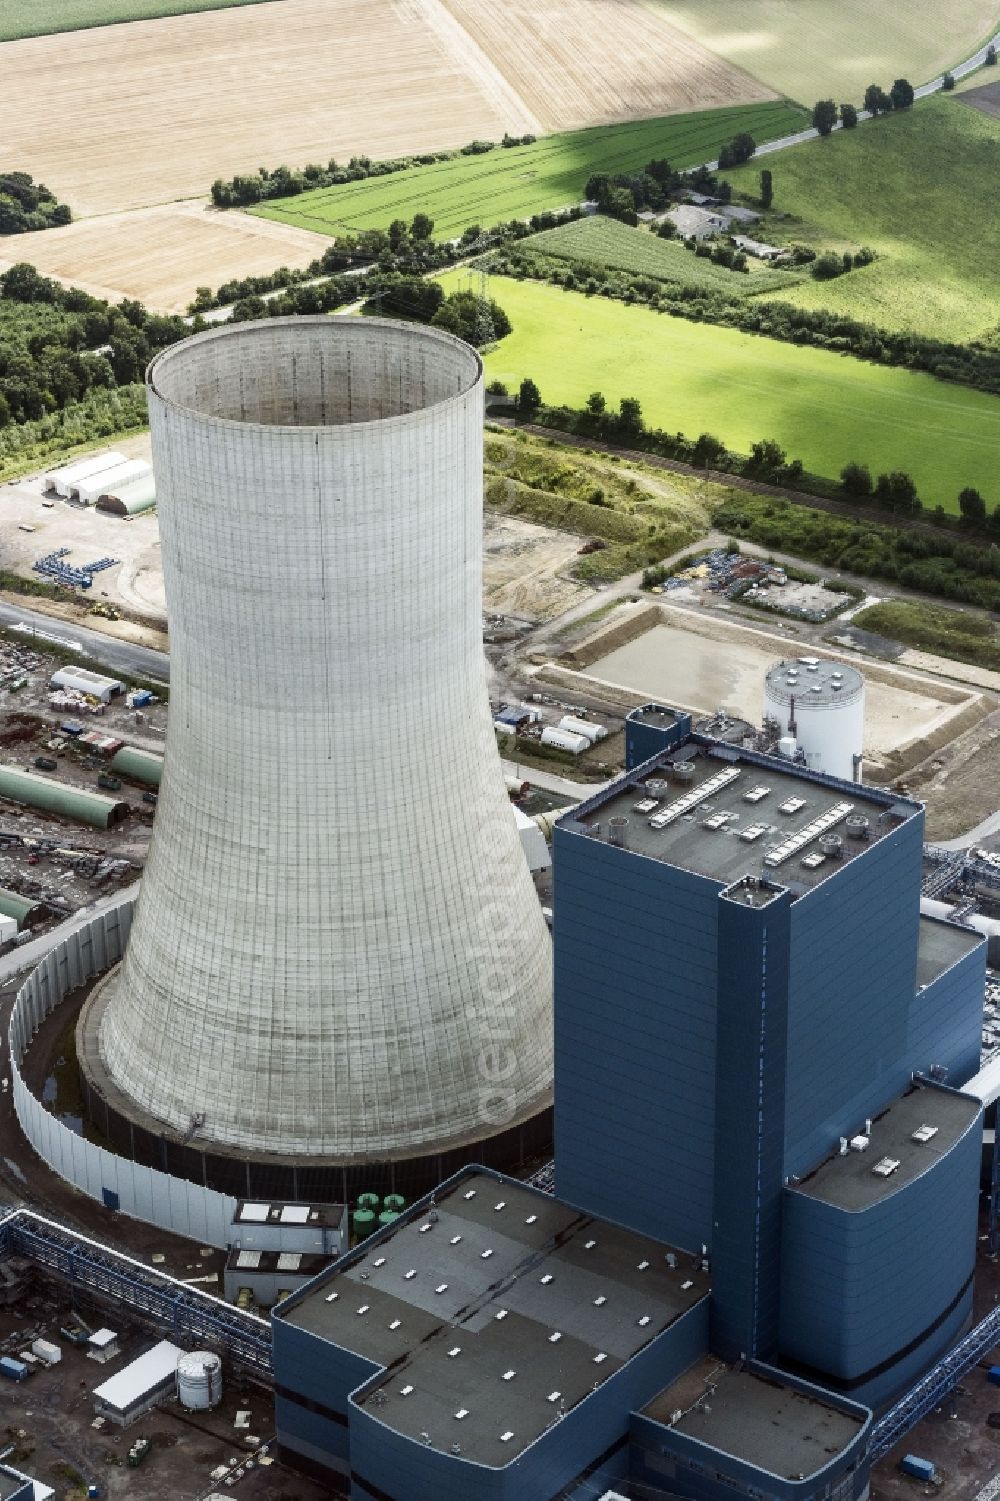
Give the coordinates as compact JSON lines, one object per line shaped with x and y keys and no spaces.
{"x":199,"y":1380}
{"x":323,"y":962}
{"x":820,"y":705}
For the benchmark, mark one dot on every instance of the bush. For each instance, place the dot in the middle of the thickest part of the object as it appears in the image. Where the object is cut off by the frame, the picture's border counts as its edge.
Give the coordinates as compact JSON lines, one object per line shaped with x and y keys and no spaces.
{"x":827,"y":266}
{"x":856,"y":480}
{"x":26,"y":205}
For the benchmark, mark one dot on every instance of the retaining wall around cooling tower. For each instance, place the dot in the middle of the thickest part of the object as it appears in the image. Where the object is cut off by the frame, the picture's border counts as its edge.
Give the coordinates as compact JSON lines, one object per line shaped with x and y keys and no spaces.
{"x":321,"y":961}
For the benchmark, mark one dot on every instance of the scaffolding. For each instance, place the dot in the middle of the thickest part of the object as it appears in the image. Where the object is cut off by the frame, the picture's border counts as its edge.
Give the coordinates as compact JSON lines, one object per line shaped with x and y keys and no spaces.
{"x":191,"y":1316}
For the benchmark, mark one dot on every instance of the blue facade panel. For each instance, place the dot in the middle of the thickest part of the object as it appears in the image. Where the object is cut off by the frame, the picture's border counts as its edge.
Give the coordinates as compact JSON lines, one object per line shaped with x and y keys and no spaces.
{"x":642,"y":741}
{"x":635,"y":1026}
{"x":864,"y":1290}
{"x":750,"y":1094}
{"x":590,"y":1439}
{"x":946,"y":1020}
{"x":24,"y":1492}
{"x":852,"y":981}
{"x":313,"y":1379}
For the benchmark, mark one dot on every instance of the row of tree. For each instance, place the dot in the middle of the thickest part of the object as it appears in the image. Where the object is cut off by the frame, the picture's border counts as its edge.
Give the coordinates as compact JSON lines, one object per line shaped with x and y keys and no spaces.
{"x":963,"y":364}
{"x":287,"y":182}
{"x":27,"y":205}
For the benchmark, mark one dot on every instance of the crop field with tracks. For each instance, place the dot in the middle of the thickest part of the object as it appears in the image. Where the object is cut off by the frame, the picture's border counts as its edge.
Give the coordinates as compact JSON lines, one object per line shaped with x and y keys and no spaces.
{"x":823,"y":408}
{"x":515,"y":182}
{"x":21,"y":18}
{"x":608,"y":244}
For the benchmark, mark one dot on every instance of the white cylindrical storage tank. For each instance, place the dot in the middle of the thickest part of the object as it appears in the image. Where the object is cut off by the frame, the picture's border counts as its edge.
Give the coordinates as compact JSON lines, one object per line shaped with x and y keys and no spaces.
{"x":199,"y":1380}
{"x":822,"y":705}
{"x":561,"y":739}
{"x":316,"y":964}
{"x":586,"y":727}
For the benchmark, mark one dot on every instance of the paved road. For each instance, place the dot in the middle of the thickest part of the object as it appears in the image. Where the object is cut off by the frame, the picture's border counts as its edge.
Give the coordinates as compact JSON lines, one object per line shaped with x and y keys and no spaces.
{"x":547,"y":780}
{"x":122,"y":656}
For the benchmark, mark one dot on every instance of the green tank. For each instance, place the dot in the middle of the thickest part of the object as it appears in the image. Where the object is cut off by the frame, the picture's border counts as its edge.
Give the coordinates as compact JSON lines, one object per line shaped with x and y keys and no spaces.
{"x":368,"y":1201}
{"x":387,"y":1217}
{"x":395,"y":1202}
{"x":364,"y":1222}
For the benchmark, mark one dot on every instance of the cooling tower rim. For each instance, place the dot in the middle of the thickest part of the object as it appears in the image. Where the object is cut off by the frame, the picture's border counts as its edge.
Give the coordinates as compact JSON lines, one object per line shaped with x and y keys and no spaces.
{"x":353,"y":327}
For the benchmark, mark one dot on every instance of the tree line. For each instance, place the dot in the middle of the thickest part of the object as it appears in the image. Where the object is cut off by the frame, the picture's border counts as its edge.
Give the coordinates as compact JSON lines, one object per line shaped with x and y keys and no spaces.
{"x":962,"y":364}
{"x":287,"y":182}
{"x":58,"y":343}
{"x":27,"y":205}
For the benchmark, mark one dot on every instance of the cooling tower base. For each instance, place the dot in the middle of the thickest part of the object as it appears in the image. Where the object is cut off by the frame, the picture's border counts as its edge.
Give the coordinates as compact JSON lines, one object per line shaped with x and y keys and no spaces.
{"x":138,"y":1136}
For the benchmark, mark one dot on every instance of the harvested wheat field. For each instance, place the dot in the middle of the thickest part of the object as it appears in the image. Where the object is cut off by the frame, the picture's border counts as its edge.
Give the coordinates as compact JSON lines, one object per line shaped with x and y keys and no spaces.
{"x":150,"y":111}
{"x":587,"y":62}
{"x":160,"y":255}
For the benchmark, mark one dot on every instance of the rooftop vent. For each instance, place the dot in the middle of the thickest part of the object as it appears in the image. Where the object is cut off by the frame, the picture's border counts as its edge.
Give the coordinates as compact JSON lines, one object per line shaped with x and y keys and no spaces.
{"x":404,"y":1391}
{"x":502,"y":1205}
{"x":455,"y":1350}
{"x":546,"y":1279}
{"x":555,"y":1337}
{"x":531,"y":1219}
{"x":502,"y":1314}
{"x":506,"y":1437}
{"x":332,"y":1297}
{"x":885,"y":1167}
{"x":379,"y":1261}
{"x":925,"y":1133}
{"x":471,"y":1194}
{"x":687,"y":1286}
{"x":756,"y":794}
{"x":455,"y":1240}
{"x":589,"y":1245}
{"x":599,"y":1302}
{"x":463,"y":1412}
{"x":442,"y":1287}
{"x":411,"y":1274}
{"x":486,"y":1254}
{"x":791,"y":805}
{"x":642,"y":1266}
{"x":362,"y":1309}
{"x":600,"y":1357}
{"x":395,"y":1324}
{"x":644,"y":1321}
{"x":859,"y":1143}
{"x":553,"y":1396}
{"x":508,"y":1375}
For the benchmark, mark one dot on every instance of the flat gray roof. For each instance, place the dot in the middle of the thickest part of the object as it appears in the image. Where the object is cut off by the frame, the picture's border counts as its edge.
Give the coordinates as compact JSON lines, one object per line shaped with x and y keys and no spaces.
{"x":755,"y":806}
{"x":496,"y":1311}
{"x":756,"y":1419}
{"x":655,"y":714}
{"x":942,"y":944}
{"x":851,"y":1182}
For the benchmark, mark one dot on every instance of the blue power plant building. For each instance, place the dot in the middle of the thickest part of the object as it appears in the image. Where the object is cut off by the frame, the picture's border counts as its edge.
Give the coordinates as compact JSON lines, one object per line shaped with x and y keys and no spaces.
{"x":767,"y":1172}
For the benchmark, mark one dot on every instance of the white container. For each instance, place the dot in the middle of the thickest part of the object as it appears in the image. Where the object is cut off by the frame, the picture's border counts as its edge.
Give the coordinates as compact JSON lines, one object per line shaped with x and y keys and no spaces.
{"x":199,"y":1380}
{"x":564,"y":740}
{"x":45,"y":1350}
{"x":586,"y":727}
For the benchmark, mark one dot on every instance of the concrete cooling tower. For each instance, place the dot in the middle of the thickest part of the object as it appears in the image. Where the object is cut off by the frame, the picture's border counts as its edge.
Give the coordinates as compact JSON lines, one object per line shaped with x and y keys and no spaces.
{"x":338,"y":953}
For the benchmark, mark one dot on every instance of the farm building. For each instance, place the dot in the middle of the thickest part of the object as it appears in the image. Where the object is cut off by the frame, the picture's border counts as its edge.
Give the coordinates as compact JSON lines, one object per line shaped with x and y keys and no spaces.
{"x":82,"y":680}
{"x":758,"y":248}
{"x":36,"y":791}
{"x":697,"y":223}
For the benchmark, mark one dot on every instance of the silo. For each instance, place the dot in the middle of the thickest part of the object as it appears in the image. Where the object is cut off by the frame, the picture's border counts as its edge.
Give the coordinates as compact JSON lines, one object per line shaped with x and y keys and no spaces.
{"x":324,"y":962}
{"x":199,"y":1380}
{"x":820,"y":704}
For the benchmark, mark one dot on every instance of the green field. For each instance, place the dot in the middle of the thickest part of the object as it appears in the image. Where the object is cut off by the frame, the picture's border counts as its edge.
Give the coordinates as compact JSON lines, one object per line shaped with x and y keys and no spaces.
{"x":916,"y":186}
{"x":523,"y":180}
{"x":960,"y":634}
{"x":810,"y":51}
{"x":20,"y":18}
{"x":607,"y":243}
{"x":825,"y":409}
